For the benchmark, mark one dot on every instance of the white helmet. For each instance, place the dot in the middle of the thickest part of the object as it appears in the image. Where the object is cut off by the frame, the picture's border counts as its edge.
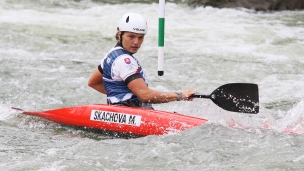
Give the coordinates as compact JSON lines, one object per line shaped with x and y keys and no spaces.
{"x":133,"y":22}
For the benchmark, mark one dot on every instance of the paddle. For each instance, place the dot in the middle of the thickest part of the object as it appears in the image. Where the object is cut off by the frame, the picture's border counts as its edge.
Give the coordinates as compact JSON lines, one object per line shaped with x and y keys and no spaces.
{"x":235,"y":97}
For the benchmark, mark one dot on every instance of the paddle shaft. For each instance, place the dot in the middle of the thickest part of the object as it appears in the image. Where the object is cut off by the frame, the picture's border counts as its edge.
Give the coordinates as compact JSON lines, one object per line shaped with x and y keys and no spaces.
{"x":200,"y":96}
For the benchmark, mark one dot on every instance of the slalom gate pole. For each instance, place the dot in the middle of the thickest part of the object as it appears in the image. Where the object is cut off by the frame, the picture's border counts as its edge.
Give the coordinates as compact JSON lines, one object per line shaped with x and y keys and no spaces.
{"x":161,"y":37}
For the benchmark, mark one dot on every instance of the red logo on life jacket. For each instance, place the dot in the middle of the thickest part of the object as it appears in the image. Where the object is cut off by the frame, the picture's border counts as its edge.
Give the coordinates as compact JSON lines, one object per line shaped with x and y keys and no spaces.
{"x":138,"y":70}
{"x":127,"y":60}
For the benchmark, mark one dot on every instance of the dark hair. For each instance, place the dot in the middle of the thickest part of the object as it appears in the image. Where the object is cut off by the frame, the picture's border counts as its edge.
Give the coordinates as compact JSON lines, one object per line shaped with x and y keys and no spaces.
{"x":119,"y":38}
{"x":116,"y":36}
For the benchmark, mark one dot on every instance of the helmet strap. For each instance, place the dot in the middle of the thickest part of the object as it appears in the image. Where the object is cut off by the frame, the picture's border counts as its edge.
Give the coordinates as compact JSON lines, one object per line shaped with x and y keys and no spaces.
{"x":120,"y":38}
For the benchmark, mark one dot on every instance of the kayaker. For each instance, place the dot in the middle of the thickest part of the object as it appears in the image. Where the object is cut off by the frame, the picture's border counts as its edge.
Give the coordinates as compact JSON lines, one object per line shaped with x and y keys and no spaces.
{"x":120,"y":75}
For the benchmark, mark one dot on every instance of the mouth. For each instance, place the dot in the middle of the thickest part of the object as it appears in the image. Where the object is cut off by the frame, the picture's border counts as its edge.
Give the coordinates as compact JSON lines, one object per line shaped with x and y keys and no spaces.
{"x":135,"y":48}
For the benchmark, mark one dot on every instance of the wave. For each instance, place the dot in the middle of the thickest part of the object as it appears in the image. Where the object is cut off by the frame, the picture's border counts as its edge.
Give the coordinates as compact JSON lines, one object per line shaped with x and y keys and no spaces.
{"x":291,"y":122}
{"x":6,"y":112}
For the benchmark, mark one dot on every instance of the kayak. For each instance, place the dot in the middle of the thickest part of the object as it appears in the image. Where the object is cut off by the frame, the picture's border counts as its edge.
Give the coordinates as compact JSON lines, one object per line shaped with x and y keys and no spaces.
{"x":122,"y":119}
{"x":234,"y":97}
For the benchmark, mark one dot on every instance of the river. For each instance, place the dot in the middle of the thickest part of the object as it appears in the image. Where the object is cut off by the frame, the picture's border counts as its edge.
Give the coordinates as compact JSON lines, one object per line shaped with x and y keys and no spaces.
{"x":48,"y":50}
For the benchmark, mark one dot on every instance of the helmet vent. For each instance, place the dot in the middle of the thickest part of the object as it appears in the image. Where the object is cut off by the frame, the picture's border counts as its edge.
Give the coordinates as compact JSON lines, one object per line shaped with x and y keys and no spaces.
{"x":127,"y":20}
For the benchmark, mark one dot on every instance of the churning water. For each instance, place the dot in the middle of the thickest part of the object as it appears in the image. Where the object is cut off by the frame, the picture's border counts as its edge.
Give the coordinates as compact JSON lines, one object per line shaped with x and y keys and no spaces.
{"x":49,"y":49}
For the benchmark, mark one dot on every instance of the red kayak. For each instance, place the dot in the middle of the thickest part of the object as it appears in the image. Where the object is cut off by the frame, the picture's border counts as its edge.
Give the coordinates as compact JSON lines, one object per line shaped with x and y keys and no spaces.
{"x":235,"y":97}
{"x":121,"y":119}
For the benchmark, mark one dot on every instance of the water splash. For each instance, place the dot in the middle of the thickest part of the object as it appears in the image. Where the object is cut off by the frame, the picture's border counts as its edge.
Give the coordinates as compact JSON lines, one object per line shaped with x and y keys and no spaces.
{"x":6,"y":112}
{"x":293,"y":121}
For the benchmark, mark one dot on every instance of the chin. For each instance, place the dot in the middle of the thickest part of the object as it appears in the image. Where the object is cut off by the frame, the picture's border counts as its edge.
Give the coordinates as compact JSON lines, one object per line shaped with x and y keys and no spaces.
{"x":133,"y":51}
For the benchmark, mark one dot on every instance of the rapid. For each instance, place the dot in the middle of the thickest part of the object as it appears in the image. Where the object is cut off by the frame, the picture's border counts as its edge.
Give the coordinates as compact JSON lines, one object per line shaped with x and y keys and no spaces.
{"x":48,"y":49}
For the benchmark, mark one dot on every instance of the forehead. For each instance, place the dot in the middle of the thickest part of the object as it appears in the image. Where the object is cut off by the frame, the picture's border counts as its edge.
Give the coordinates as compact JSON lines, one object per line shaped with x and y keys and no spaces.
{"x":133,"y":34}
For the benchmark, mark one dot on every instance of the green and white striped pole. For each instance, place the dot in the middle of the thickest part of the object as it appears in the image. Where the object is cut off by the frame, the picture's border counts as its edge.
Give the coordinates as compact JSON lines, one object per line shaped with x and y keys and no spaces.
{"x":161,"y":37}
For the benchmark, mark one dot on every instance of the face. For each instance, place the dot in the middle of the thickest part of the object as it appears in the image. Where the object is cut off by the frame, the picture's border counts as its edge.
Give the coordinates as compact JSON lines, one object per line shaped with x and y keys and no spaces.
{"x":132,"y":41}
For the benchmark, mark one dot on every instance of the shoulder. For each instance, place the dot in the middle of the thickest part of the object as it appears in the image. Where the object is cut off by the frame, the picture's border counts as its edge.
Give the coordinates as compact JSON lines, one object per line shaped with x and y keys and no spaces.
{"x":126,"y":60}
{"x":124,"y":66}
{"x":117,"y":51}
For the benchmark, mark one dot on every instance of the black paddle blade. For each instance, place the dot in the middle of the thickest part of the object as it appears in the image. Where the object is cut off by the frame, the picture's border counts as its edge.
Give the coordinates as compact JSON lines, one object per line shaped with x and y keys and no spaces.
{"x":237,"y":97}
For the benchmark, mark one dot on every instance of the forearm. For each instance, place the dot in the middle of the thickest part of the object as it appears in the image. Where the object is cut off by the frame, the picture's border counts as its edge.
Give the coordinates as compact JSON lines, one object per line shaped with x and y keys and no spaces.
{"x":95,"y":81}
{"x":99,"y":87}
{"x":145,"y":94}
{"x":159,"y":97}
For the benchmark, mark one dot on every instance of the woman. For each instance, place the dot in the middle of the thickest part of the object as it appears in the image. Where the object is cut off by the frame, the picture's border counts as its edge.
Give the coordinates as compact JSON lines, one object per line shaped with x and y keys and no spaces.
{"x":120,"y":75}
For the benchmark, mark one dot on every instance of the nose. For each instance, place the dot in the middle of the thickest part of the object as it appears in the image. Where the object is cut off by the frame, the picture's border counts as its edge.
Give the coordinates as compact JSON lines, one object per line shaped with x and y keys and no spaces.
{"x":136,"y":41}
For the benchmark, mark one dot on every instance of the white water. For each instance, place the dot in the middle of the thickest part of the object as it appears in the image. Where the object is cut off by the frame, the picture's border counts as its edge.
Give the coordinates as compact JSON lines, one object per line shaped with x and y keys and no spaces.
{"x":49,"y":49}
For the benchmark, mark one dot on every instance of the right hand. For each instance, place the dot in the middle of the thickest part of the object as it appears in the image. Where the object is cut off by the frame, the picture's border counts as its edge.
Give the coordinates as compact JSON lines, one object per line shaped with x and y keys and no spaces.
{"x":186,"y":95}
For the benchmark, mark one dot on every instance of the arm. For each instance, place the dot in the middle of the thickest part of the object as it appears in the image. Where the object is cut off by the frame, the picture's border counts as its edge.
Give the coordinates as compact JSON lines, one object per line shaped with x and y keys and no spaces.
{"x":95,"y":81}
{"x":145,"y":94}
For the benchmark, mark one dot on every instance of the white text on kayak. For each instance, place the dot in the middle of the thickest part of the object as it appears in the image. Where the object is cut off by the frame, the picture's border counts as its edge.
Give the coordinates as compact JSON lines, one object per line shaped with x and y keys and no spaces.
{"x":121,"y":118}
